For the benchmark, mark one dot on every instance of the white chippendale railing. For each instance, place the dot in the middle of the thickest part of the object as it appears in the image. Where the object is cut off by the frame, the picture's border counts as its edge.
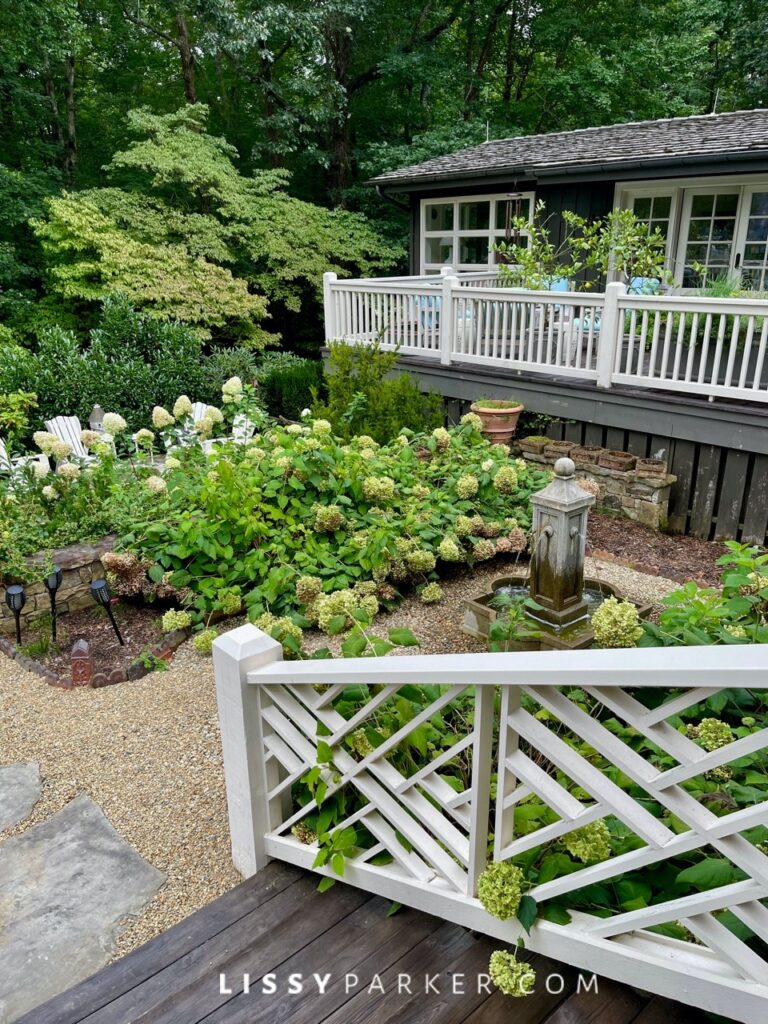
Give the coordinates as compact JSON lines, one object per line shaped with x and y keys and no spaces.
{"x":688,"y":344}
{"x":427,"y":841}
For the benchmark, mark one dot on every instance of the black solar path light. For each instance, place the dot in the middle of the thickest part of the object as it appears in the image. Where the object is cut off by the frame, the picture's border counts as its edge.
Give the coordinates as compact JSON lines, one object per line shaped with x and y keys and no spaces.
{"x":52,"y":582}
{"x":16,"y":598}
{"x":101,"y":595}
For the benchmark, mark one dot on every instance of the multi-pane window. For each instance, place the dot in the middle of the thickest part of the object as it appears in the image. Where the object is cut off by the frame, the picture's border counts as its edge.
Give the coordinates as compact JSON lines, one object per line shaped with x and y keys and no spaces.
{"x":463,"y":232}
{"x":711,"y":236}
{"x":655,"y":212}
{"x":754,"y":273}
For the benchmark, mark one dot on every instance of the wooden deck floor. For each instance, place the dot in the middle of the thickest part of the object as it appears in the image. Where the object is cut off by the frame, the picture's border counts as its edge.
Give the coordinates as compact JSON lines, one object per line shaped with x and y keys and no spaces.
{"x":276,"y":922}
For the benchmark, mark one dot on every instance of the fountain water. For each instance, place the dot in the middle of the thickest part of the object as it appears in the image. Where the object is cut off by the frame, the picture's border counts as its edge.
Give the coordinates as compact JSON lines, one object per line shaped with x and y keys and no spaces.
{"x":565,"y":600}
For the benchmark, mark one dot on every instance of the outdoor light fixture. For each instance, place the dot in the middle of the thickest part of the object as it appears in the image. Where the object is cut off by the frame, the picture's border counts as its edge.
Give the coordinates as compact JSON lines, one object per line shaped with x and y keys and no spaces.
{"x":101,"y":595}
{"x":15,"y":598}
{"x":52,"y":582}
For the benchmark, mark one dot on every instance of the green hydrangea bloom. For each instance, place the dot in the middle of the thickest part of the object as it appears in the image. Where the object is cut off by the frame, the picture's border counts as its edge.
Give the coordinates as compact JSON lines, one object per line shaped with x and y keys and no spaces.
{"x":343,"y":602}
{"x":505,"y":480}
{"x":360,"y":743}
{"x":308,"y":588}
{"x":616,"y":624}
{"x":509,"y":976}
{"x":449,"y":550}
{"x":590,"y":843}
{"x":442,"y":437}
{"x":467,"y":486}
{"x":431,"y":594}
{"x":379,"y":488}
{"x":421,"y":561}
{"x":500,"y":889}
{"x":174,"y":619}
{"x":230,"y":602}
{"x":463,"y":526}
{"x":328,"y":518}
{"x":471,"y":419}
{"x":203,"y":641}
{"x":280,"y":628}
{"x":712,"y":733}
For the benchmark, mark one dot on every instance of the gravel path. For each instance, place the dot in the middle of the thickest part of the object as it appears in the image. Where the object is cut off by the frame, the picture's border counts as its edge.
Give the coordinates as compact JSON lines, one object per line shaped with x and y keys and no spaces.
{"x":148,"y":751}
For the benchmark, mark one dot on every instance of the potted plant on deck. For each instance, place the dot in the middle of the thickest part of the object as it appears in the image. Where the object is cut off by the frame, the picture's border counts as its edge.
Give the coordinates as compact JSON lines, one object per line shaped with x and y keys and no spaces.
{"x":499,"y":417}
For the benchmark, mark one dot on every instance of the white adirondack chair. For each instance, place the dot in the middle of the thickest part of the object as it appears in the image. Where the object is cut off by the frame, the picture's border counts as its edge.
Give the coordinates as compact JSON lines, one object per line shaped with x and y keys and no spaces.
{"x":243,"y":430}
{"x":8,"y":463}
{"x":68,"y":428}
{"x":185,"y":437}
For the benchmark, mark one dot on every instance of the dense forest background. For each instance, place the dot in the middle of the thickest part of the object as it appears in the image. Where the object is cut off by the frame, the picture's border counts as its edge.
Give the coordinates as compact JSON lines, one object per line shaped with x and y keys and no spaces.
{"x":158,"y":148}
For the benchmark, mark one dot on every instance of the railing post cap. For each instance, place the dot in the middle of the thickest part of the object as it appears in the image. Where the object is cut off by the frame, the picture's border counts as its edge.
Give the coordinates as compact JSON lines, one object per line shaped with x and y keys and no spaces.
{"x":617,"y":286}
{"x":247,"y":642}
{"x":330,"y":275}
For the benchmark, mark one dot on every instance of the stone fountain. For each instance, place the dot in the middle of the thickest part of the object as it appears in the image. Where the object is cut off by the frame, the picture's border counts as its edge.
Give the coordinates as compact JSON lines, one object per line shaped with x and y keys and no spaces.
{"x":556,"y":582}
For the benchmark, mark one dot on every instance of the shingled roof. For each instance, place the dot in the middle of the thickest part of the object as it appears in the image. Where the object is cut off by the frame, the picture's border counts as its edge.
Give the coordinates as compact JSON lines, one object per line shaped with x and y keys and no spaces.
{"x":612,"y":145}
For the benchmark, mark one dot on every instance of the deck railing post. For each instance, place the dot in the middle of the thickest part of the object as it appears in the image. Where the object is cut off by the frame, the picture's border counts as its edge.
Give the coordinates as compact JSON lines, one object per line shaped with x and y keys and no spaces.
{"x":611,"y":334}
{"x":331,"y":327}
{"x":447,"y":320}
{"x":235,"y":654}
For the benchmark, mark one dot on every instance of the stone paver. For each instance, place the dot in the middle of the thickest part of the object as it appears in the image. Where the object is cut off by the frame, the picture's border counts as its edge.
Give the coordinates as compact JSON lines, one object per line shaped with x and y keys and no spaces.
{"x":65,"y":887}
{"x":19,"y":792}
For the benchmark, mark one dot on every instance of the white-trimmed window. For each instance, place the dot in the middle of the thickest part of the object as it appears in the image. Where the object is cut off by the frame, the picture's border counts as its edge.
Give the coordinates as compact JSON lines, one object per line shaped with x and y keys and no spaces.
{"x":462,"y":232}
{"x":719,"y":224}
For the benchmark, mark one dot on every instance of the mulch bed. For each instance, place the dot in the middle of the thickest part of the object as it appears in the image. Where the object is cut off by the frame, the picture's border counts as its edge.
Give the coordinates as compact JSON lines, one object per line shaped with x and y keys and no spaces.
{"x":112,"y":663}
{"x":658,"y":554}
{"x":139,"y":626}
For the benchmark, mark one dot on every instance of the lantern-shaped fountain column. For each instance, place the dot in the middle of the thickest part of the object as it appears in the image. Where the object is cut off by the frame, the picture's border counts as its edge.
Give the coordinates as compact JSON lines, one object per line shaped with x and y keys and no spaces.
{"x":559,"y":541}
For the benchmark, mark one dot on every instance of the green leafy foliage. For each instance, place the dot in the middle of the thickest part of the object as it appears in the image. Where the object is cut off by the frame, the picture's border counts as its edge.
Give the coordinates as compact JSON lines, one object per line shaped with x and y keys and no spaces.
{"x":363,"y":397}
{"x":297,"y":502}
{"x":183,"y":234}
{"x":288,"y":384}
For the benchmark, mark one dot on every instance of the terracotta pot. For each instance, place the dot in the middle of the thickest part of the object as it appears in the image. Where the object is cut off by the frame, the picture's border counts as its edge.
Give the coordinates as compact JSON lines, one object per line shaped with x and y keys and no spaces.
{"x":558,"y":450}
{"x":533,"y":447}
{"x":621,"y":462}
{"x":587,"y":454}
{"x":656,"y":468}
{"x":499,"y":424}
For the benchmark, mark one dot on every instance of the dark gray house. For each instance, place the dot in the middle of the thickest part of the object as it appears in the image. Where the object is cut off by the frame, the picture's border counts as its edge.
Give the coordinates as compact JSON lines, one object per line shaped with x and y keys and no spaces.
{"x":702,"y":180}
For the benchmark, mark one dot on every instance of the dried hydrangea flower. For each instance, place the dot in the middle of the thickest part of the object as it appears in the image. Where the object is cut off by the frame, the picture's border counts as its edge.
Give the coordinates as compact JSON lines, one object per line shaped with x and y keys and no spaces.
{"x":449,"y":550}
{"x":467,"y":486}
{"x":505,"y":480}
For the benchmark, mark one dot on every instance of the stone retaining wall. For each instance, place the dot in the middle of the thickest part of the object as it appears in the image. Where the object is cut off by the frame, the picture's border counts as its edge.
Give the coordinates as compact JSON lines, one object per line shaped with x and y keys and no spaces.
{"x":644,"y":499}
{"x":80,"y":565}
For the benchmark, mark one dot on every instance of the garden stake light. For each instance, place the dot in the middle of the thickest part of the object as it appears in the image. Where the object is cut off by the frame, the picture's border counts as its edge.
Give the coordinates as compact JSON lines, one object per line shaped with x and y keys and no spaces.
{"x":52,"y":582}
{"x":15,"y":598}
{"x":101,"y":595}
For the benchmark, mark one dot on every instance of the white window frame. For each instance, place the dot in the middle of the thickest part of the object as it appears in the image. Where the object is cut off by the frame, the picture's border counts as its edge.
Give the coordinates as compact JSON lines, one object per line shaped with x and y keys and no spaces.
{"x":681,"y":190}
{"x":492,"y":233}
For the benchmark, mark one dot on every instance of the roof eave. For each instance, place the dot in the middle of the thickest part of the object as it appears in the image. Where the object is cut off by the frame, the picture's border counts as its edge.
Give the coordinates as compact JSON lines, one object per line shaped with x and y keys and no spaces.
{"x":551,"y":171}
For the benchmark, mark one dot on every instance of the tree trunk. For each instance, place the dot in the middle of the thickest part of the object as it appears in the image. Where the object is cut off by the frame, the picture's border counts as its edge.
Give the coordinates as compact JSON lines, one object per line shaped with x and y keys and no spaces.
{"x":70,"y":149}
{"x":187,"y":59}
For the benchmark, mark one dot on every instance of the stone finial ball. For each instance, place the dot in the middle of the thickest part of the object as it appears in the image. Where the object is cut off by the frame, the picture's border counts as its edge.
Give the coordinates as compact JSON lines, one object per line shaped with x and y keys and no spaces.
{"x":565,"y":467}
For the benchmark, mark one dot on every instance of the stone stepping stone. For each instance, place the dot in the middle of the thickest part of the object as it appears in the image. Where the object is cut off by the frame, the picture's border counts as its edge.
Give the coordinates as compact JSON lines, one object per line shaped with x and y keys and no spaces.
{"x":19,"y":792}
{"x":65,"y":887}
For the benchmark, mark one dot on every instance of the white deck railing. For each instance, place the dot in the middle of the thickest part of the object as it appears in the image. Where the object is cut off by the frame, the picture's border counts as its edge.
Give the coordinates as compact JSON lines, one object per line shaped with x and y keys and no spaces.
{"x":687,"y":344}
{"x":272,"y":713}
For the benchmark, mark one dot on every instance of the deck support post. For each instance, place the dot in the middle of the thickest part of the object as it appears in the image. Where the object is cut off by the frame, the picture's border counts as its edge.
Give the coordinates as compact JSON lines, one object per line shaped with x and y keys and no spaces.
{"x":235,"y":654}
{"x":331,"y":330}
{"x":447,"y":319}
{"x":611,"y":334}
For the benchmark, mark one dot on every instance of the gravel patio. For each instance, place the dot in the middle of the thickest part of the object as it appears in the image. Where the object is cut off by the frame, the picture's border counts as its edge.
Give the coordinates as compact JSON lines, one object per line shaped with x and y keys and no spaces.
{"x":148,"y":752}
